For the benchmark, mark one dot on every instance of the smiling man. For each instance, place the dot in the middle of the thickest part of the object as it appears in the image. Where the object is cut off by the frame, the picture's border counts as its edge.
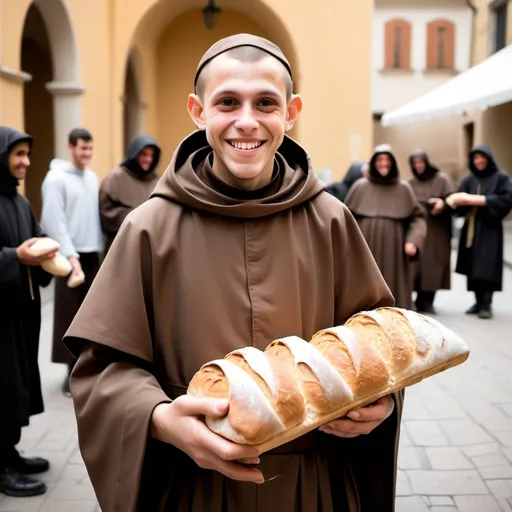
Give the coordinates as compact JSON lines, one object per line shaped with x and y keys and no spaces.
{"x":238,"y":245}
{"x":20,"y":317}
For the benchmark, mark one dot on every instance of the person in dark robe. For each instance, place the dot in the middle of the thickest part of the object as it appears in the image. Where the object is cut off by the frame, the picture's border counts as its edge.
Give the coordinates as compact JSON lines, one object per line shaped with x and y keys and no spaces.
{"x":126,"y":187}
{"x":392,"y":221}
{"x":433,"y":271}
{"x":484,"y":199}
{"x":340,"y":188}
{"x":20,"y":318}
{"x":238,"y":245}
{"x":70,"y":215}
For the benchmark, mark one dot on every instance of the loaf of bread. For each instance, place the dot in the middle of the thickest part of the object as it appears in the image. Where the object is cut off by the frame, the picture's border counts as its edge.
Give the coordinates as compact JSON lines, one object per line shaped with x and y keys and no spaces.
{"x":295,"y":386}
{"x":59,"y":265}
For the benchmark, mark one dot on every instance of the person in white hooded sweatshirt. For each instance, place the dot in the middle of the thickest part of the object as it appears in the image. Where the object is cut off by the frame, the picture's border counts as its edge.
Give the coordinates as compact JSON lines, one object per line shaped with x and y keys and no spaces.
{"x":70,"y":215}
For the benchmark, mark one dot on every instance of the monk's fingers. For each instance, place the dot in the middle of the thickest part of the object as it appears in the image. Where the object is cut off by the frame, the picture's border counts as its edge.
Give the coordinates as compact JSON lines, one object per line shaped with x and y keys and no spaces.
{"x":378,"y":411}
{"x":224,"y":449}
{"x":343,"y":430}
{"x":191,"y":406}
{"x":249,"y":460}
{"x":238,"y":472}
{"x":349,"y":428}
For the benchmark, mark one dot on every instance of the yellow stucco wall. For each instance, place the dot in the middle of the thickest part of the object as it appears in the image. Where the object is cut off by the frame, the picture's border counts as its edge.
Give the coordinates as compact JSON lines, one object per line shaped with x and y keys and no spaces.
{"x":336,"y":123}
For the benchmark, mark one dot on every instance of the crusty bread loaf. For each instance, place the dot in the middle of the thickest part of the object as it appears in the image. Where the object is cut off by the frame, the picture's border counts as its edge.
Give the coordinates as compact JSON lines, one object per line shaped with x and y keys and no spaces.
{"x":58,"y":265}
{"x":294,"y":386}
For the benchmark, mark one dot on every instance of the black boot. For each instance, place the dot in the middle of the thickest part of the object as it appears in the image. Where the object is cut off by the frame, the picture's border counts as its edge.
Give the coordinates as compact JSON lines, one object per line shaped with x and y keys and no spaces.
{"x":475,"y":308}
{"x":13,"y":483}
{"x":425,"y":302}
{"x":29,"y":466}
{"x":486,"y":309}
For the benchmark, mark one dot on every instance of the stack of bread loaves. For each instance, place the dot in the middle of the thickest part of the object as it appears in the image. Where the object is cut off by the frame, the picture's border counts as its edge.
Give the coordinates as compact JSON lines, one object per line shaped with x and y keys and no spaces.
{"x":294,"y":386}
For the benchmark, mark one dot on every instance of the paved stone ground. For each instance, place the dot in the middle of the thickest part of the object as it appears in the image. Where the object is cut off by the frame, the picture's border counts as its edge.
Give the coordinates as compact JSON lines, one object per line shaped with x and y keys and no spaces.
{"x":456,"y":445}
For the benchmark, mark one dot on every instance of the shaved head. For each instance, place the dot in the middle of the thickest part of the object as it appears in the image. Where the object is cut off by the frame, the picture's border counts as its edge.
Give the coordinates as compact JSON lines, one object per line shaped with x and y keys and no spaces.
{"x":247,"y":55}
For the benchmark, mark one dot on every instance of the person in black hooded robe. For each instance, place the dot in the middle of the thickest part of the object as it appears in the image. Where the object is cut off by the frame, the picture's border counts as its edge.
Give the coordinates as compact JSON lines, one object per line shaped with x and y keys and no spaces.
{"x":129,"y":185}
{"x":341,"y":188}
{"x":20,"y":318}
{"x":484,"y":199}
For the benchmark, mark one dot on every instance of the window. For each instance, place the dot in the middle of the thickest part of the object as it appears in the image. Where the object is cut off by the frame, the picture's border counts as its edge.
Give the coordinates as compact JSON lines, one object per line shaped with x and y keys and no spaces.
{"x":500,"y":26}
{"x":440,"y":45}
{"x":397,"y":46}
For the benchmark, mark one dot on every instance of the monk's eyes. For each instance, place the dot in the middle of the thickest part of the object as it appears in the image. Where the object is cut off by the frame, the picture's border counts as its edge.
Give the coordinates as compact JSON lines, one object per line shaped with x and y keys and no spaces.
{"x":267,"y":102}
{"x":227,"y":102}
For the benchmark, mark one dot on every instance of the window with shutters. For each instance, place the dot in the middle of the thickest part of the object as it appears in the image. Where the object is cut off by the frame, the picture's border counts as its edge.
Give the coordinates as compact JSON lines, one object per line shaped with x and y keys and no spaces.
{"x":397,"y":45}
{"x":440,"y":44}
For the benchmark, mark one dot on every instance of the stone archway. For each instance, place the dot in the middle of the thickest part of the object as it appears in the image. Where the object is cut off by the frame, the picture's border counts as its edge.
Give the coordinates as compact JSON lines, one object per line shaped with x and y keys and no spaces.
{"x":52,"y":93}
{"x":172,"y":37}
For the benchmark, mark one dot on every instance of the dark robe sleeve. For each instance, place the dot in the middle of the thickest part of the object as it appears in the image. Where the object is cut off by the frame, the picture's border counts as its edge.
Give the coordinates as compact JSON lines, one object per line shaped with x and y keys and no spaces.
{"x":42,"y":278}
{"x":417,"y":229}
{"x":499,"y":204}
{"x":112,"y":211}
{"x":113,"y":387}
{"x":372,"y":458}
{"x":9,"y":265}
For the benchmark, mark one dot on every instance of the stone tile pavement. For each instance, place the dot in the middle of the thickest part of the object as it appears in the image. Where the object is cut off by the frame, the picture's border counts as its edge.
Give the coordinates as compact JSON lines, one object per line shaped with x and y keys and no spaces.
{"x":456,"y":444}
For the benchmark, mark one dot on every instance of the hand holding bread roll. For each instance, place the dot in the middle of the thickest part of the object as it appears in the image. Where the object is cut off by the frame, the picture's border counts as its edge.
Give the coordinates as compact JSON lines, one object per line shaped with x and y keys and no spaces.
{"x":58,"y":265}
{"x":294,"y":386}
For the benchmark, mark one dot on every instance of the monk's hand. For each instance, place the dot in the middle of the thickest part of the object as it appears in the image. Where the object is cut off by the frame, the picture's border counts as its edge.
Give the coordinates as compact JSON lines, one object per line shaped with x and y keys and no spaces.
{"x":410,"y":249}
{"x":76,"y":266}
{"x":181,"y":424}
{"x":27,"y":257}
{"x":437,"y":205}
{"x":361,"y":421}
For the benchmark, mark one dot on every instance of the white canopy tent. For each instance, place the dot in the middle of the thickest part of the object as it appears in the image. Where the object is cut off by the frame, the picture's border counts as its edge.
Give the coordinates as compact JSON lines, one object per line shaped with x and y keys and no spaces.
{"x":485,"y":85}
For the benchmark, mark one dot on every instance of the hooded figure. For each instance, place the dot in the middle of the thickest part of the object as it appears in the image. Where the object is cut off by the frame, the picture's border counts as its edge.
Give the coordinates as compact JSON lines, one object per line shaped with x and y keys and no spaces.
{"x":433,"y":271}
{"x":392,"y":221}
{"x":205,"y":267}
{"x":340,"y":189}
{"x":484,"y":199}
{"x":20,"y":322}
{"x":128,"y":185}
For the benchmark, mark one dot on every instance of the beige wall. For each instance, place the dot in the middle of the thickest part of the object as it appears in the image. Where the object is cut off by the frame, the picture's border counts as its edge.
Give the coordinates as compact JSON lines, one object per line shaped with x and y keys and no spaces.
{"x":440,"y":138}
{"x":496,"y":130}
{"x":99,"y":35}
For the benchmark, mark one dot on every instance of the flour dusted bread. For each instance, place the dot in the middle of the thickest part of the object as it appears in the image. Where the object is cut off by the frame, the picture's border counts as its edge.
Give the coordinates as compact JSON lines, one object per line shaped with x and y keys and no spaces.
{"x":294,"y":385}
{"x":59,"y":264}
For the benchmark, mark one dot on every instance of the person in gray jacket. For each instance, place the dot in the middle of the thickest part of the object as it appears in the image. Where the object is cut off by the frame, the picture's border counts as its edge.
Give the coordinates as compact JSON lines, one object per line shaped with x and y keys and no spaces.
{"x":70,"y":215}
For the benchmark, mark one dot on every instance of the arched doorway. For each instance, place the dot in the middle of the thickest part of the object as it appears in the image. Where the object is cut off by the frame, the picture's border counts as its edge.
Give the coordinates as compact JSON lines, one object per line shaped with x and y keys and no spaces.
{"x":37,"y":102}
{"x":52,"y":96}
{"x":172,"y":37}
{"x":132,"y":111}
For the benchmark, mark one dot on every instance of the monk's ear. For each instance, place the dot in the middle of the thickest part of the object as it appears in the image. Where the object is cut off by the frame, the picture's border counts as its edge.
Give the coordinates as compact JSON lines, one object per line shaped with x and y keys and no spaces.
{"x":293,"y":111}
{"x":196,"y":111}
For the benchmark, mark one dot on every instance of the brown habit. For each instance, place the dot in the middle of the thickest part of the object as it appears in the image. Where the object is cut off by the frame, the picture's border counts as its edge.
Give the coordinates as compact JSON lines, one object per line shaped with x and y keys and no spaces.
{"x":433,"y":272}
{"x":389,"y":216}
{"x":126,"y":188}
{"x":194,"y":273}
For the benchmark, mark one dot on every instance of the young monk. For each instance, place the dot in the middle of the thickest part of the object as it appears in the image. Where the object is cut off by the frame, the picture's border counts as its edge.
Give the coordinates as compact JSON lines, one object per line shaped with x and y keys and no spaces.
{"x":392,"y":221}
{"x":238,"y":245}
{"x":433,"y":271}
{"x":484,"y":199}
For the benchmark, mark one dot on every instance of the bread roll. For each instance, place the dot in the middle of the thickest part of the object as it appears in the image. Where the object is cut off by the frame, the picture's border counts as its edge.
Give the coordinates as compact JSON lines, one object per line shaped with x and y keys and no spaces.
{"x":59,"y":265}
{"x":294,"y":386}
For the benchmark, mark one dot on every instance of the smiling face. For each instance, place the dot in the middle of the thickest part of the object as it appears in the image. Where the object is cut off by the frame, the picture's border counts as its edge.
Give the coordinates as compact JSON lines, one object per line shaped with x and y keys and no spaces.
{"x":383,"y":164}
{"x":19,"y":160}
{"x":480,"y":161}
{"x":145,"y":158}
{"x":245,"y":110}
{"x":419,"y":164}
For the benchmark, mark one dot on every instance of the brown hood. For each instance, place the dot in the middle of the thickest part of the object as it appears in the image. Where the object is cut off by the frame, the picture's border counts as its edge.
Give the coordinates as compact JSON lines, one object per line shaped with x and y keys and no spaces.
{"x":181,"y":184}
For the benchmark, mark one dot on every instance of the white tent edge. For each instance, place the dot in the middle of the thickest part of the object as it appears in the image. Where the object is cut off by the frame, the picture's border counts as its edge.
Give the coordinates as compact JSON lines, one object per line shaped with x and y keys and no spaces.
{"x":413,"y":110}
